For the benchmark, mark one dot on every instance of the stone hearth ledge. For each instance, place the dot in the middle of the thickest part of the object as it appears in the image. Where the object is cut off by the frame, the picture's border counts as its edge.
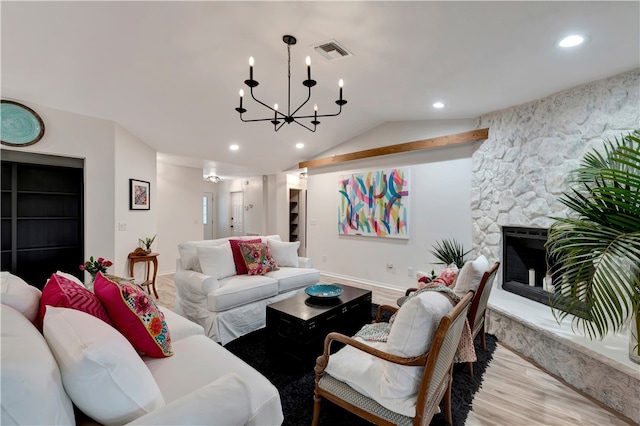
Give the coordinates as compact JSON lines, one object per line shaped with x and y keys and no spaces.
{"x":600,"y":369}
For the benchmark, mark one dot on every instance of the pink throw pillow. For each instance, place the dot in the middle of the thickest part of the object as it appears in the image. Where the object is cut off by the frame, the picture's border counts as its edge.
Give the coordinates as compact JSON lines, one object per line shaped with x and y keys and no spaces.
{"x":241,"y":266}
{"x":61,"y":292}
{"x":257,"y":258}
{"x":135,"y":315}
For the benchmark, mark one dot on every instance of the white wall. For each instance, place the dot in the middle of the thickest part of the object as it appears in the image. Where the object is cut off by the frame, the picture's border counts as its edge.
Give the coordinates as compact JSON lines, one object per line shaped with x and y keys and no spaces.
{"x":440,"y":205}
{"x":79,"y":136}
{"x":133,"y":160}
{"x":179,"y":210}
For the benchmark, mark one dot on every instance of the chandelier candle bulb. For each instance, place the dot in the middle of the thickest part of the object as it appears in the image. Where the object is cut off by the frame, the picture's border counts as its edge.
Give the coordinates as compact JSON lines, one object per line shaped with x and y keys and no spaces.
{"x":241,"y":96}
{"x":340,"y":83}
{"x":308,"y":61}
{"x":250,"y":67}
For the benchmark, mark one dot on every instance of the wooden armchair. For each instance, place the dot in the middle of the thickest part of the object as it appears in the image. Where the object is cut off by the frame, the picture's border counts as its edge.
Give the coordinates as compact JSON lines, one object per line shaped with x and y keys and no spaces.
{"x":434,"y":381}
{"x":478,"y":309}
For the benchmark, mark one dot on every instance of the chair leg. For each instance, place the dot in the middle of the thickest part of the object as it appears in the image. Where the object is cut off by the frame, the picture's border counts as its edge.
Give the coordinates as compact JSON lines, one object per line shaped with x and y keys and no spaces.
{"x":484,"y":340}
{"x":470,"y":368}
{"x":316,"y":410}
{"x":447,"y":401}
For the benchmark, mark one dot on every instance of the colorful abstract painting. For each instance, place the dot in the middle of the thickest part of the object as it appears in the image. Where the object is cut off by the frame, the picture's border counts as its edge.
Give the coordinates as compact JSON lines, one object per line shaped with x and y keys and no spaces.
{"x":374,"y":203}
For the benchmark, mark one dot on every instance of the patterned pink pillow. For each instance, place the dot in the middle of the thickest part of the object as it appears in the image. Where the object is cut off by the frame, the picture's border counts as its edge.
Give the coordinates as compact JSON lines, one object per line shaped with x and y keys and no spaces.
{"x":257,"y":258}
{"x":61,"y":292}
{"x":135,"y":315}
{"x":238,"y":259}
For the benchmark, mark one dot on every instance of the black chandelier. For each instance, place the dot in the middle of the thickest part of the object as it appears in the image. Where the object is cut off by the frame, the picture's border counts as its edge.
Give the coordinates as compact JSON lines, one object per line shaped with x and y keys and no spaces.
{"x":289,"y":117}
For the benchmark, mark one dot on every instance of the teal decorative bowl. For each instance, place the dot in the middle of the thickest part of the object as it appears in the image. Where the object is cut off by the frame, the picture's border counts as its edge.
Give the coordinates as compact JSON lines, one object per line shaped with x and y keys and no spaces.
{"x":324,"y":291}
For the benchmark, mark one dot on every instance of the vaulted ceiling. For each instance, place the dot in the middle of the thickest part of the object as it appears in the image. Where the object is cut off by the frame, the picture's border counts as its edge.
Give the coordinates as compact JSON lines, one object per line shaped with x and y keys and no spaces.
{"x":170,"y":72}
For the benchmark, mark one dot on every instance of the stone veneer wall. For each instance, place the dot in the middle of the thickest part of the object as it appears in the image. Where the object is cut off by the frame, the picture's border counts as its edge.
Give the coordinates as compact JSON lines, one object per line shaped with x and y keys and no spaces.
{"x":520,"y":171}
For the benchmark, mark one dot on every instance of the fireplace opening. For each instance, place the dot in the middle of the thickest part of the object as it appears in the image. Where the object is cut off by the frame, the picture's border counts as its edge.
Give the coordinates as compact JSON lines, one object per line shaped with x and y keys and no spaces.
{"x":525,"y":266}
{"x":525,"y":263}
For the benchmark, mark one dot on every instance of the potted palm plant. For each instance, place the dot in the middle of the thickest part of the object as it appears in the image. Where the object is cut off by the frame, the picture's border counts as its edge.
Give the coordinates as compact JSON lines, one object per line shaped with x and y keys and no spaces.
{"x":596,"y":249}
{"x":449,"y":251}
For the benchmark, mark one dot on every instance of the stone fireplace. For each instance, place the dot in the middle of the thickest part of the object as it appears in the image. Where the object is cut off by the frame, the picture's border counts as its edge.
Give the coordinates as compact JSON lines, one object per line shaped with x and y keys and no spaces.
{"x":518,"y":175}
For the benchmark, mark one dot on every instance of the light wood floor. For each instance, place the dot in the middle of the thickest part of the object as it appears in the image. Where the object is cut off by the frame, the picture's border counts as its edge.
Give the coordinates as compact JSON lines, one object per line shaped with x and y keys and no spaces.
{"x":514,"y":392}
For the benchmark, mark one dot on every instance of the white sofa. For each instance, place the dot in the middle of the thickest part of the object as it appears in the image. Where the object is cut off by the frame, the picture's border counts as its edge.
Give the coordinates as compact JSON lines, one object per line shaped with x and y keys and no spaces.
{"x":228,"y":305}
{"x":81,"y":361}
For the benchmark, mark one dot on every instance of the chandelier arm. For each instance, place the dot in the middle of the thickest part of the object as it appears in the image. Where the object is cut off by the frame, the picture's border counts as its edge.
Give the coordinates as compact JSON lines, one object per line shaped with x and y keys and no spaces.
{"x":320,"y":115}
{"x":265,"y":105}
{"x":303,"y":104}
{"x":308,"y":128}
{"x":257,"y":119}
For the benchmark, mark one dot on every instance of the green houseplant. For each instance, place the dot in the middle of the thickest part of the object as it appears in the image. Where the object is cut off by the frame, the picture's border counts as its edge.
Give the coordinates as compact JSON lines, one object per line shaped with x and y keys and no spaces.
{"x":596,"y":250}
{"x":449,"y":251}
{"x":146,"y":242}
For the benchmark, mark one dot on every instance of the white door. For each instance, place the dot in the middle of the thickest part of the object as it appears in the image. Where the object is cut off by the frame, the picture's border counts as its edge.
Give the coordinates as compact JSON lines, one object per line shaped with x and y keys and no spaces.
{"x":207,"y":215}
{"x":237,"y":214}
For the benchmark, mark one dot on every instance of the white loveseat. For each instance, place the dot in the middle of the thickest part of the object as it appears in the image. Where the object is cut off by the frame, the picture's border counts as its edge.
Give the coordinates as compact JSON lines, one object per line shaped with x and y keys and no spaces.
{"x":84,"y":362}
{"x":226,"y":304}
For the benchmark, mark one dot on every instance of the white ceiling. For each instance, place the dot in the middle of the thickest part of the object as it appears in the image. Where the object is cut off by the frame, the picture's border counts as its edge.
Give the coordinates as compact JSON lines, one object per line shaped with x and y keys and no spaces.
{"x":170,"y":72}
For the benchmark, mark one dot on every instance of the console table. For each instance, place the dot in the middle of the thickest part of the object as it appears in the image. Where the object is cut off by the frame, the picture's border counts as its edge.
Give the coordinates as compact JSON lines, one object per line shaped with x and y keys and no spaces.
{"x":149,"y":259}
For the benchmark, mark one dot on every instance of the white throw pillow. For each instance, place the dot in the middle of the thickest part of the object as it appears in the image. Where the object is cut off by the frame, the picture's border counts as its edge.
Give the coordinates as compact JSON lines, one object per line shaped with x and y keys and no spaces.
{"x":21,"y":296}
{"x":285,"y":254}
{"x":411,"y":335}
{"x":101,"y":372}
{"x":32,"y":392}
{"x":216,"y":261}
{"x":471,"y":275}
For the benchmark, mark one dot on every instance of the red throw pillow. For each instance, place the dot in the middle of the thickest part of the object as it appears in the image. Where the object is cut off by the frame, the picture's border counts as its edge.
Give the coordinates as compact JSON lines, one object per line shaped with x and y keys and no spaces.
{"x":135,"y":315}
{"x":61,"y":292}
{"x":238,"y":259}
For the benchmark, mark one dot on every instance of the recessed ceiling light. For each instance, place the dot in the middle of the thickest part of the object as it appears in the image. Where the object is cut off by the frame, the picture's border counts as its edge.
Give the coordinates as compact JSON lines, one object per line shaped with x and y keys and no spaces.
{"x":571,"y":41}
{"x":299,"y":145}
{"x":438,"y":105}
{"x":234,"y":147}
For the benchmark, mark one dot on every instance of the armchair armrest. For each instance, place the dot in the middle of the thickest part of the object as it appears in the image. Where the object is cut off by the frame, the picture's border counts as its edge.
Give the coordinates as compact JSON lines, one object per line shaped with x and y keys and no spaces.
{"x":305,"y":262}
{"x":323,"y":360}
{"x":410,"y":290}
{"x":383,"y":308}
{"x":225,"y":401}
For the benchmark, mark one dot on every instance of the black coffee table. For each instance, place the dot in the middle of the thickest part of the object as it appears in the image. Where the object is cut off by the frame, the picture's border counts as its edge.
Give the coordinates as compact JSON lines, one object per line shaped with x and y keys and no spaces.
{"x":298,"y":325}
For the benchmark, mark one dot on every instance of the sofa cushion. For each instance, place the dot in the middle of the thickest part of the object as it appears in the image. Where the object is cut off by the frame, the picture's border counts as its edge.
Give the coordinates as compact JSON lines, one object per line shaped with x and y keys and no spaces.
{"x":238,"y":259}
{"x":411,"y":335}
{"x":257,"y":258}
{"x":134,"y":314}
{"x":470,"y":275}
{"x":239,"y":290}
{"x":32,"y":391}
{"x":180,"y":326}
{"x":70,"y":277}
{"x":189,"y":255}
{"x":285,"y":254}
{"x":292,"y":278}
{"x":101,"y":371}
{"x":65,"y":293}
{"x":183,"y":373}
{"x":24,"y":298}
{"x":216,"y":261}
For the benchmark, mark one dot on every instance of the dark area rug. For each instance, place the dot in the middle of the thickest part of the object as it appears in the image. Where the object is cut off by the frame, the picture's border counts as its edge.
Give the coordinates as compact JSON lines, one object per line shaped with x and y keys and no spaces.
{"x":296,"y":383}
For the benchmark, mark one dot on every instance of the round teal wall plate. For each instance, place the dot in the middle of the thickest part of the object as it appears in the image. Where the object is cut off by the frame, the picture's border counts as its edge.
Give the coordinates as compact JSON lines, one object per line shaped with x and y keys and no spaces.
{"x":19,"y":124}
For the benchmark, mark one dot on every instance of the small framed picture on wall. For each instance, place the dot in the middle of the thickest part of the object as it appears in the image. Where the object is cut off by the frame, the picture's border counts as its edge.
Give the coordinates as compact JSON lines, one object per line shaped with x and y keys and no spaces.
{"x":139,"y":195}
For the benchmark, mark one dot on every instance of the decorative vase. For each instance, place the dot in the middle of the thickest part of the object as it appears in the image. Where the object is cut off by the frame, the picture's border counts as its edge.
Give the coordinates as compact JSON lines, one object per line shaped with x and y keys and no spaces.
{"x":634,"y":333}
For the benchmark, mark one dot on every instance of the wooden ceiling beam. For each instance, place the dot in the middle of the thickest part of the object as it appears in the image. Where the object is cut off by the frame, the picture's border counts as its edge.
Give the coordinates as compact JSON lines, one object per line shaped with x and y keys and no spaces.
{"x":458,"y":138}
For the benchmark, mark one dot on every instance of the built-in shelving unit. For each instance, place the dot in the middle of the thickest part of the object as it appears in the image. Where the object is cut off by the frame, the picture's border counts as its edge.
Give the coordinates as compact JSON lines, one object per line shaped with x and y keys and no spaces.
{"x":294,"y":215}
{"x":42,"y":220}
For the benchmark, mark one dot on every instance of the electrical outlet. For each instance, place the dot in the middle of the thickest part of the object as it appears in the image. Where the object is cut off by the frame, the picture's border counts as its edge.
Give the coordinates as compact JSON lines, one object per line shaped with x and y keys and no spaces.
{"x":122,"y":226}
{"x":389,"y":265}
{"x":410,"y":271}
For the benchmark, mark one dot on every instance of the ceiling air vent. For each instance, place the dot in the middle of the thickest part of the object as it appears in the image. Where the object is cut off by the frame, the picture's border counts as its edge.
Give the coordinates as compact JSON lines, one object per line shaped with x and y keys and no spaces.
{"x":332,"y":50}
